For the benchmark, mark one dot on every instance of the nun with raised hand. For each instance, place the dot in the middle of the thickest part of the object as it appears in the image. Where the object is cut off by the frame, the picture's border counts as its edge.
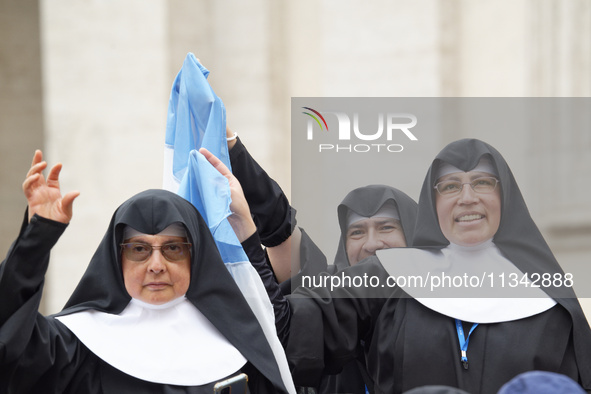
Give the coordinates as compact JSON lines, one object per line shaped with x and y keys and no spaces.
{"x":472,"y":222}
{"x":371,"y":218}
{"x":155,"y":312}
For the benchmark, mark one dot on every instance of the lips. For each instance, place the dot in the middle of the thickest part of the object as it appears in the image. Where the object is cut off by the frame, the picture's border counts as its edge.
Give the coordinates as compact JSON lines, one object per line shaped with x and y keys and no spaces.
{"x":469,"y":217}
{"x":157,"y":285}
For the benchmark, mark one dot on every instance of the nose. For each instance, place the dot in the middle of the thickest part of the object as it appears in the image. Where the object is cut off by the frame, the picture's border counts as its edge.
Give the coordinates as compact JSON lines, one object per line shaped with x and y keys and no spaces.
{"x":374,"y":242}
{"x":156,"y":262}
{"x":467,"y":195}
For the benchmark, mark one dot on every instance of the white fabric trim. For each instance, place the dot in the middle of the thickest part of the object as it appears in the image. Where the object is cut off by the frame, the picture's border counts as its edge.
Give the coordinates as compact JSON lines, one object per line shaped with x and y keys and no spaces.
{"x":251,"y":285}
{"x":484,"y":165}
{"x":475,"y":292}
{"x":174,"y":230}
{"x":388,"y":210}
{"x":169,"y":181}
{"x":169,"y":344}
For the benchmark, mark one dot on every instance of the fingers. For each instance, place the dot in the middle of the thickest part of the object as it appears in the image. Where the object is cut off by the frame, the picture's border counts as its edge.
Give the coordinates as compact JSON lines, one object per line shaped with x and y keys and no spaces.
{"x":205,"y":152}
{"x":34,"y":174}
{"x":29,"y":181}
{"x":209,"y":156}
{"x":68,"y":202}
{"x":215,"y":162}
{"x":37,"y":168}
{"x":54,"y":174}
{"x":37,"y":157}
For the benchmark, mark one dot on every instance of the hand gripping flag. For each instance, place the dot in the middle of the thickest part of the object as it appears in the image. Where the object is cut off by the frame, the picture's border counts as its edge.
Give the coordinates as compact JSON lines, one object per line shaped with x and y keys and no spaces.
{"x":196,"y":119}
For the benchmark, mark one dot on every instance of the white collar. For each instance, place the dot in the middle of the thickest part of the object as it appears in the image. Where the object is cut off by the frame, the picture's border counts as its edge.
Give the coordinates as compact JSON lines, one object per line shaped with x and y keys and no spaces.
{"x":155,"y":307}
{"x":479,"y":286}
{"x":173,"y":343}
{"x":488,"y":244}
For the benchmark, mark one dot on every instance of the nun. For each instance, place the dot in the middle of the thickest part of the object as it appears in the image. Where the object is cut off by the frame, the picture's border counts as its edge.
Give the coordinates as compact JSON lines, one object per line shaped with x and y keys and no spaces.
{"x":370,"y":218}
{"x":472,"y":220}
{"x":155,"y":312}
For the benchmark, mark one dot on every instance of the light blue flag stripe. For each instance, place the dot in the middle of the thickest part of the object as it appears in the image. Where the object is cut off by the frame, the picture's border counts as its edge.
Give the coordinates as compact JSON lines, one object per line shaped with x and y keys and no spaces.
{"x":197,"y":118}
{"x":209,"y":192}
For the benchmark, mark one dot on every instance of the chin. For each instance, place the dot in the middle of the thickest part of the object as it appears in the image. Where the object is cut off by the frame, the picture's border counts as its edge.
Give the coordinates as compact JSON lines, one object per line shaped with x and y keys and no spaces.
{"x":156,"y":300}
{"x":472,"y":241}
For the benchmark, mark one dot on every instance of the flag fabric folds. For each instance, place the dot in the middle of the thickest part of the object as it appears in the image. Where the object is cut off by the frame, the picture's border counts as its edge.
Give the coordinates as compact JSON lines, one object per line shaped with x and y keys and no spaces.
{"x":197,"y":118}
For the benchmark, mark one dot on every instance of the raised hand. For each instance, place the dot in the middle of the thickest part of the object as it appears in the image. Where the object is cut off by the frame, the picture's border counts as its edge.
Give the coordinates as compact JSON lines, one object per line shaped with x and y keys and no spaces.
{"x":44,"y":195}
{"x":240,"y":220}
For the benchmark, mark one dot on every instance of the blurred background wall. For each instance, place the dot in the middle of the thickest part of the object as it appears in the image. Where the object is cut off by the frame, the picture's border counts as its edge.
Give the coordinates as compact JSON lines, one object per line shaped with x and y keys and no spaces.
{"x":88,"y":81}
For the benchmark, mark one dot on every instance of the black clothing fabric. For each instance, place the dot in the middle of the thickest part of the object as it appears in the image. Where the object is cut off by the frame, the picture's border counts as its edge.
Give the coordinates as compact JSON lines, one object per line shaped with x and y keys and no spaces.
{"x":410,"y":345}
{"x":328,"y":325}
{"x":436,"y":390}
{"x":312,"y":263}
{"x":272,"y":214}
{"x":353,"y":378}
{"x":258,"y":259}
{"x":40,"y":355}
{"x":365,"y":201}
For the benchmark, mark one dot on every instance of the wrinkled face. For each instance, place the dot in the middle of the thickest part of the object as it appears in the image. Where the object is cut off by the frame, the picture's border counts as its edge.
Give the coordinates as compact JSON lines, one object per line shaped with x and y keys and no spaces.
{"x":366,"y":236}
{"x":468,"y":218}
{"x":156,"y":280}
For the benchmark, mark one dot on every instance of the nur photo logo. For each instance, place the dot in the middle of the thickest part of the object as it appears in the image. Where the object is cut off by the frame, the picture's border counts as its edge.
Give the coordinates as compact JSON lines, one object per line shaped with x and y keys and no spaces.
{"x":390,"y":127}
{"x":310,"y":131}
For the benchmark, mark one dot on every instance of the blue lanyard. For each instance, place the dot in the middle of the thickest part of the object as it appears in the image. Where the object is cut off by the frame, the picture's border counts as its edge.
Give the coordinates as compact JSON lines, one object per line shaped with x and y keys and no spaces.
{"x":464,"y":341}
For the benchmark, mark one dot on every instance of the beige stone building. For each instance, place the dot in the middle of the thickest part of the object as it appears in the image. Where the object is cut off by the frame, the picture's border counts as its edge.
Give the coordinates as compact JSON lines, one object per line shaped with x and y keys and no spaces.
{"x":88,"y":81}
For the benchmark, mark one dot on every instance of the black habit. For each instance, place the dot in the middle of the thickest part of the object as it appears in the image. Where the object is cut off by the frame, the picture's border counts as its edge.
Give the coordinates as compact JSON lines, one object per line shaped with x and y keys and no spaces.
{"x":40,"y":354}
{"x":364,"y":201}
{"x":410,"y":345}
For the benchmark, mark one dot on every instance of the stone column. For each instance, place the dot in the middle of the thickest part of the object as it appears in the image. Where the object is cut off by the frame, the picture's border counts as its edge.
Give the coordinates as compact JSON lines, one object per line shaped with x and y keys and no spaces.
{"x":21,"y":108}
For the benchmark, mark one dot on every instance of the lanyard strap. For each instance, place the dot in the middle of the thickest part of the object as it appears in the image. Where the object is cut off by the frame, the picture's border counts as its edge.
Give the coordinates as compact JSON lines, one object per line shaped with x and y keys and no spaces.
{"x":464,"y":341}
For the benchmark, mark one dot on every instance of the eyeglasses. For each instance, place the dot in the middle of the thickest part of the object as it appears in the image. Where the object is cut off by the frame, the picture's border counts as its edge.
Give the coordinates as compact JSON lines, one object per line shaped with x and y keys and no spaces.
{"x":174,"y":251}
{"x":479,"y":185}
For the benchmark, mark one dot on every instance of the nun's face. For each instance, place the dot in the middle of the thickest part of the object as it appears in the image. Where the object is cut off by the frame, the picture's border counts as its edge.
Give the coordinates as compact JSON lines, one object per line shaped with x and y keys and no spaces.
{"x":366,"y":236}
{"x":156,"y":280}
{"x":468,"y":218}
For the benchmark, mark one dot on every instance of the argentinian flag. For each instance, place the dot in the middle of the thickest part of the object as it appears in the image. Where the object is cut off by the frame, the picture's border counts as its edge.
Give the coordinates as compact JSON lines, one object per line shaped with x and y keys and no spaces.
{"x":196,"y":119}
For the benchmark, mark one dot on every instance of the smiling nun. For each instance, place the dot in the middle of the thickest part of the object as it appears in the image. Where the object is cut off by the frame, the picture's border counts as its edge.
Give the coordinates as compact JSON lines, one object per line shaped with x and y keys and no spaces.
{"x":472,"y":221}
